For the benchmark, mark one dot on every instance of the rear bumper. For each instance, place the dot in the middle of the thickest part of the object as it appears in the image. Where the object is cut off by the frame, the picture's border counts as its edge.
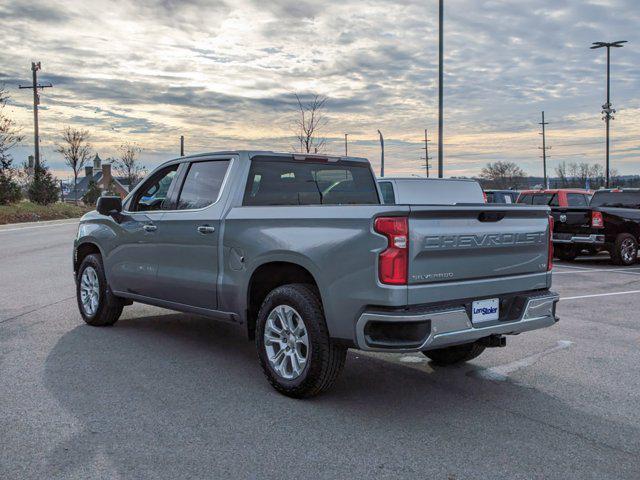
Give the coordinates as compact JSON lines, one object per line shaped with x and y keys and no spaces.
{"x":584,"y":239}
{"x":444,"y":327}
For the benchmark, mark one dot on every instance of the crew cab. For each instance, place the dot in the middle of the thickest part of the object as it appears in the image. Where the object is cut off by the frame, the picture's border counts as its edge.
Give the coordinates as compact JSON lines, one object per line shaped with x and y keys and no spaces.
{"x":562,"y":197}
{"x":431,"y":191}
{"x":300,"y":252}
{"x":610,"y":222}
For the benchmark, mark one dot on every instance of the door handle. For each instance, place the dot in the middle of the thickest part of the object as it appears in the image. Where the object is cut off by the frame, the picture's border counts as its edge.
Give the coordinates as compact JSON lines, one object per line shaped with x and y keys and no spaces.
{"x":205,"y":229}
{"x":149,"y":228}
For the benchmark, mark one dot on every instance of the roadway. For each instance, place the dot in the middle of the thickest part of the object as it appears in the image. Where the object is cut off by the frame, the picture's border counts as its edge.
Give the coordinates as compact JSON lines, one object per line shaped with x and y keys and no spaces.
{"x":168,"y":395}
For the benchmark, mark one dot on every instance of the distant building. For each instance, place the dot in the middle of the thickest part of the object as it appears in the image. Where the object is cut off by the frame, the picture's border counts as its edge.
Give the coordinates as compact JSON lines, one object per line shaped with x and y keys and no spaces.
{"x":101,"y":174}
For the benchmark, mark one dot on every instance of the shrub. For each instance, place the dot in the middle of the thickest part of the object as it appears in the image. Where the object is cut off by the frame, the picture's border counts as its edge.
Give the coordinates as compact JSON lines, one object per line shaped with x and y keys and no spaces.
{"x":9,"y":190}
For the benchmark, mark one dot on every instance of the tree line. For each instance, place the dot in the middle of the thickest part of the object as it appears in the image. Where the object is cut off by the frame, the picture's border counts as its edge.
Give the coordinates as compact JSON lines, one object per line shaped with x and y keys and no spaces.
{"x":505,"y":175}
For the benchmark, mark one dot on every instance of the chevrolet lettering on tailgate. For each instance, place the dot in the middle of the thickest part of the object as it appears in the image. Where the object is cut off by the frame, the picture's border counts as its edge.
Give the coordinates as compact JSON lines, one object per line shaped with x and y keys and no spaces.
{"x":487,"y":240}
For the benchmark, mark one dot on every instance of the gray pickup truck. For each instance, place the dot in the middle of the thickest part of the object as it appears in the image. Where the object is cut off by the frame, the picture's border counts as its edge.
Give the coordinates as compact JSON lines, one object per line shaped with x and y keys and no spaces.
{"x":299,"y":250}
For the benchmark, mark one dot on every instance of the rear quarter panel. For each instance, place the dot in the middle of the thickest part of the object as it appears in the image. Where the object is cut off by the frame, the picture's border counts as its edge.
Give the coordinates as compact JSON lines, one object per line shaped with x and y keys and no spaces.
{"x":336,"y":244}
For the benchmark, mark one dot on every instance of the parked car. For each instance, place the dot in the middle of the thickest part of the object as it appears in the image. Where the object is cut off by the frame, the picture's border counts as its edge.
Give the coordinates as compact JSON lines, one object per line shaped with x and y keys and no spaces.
{"x":501,"y":196}
{"x":562,"y":197}
{"x":429,"y":191}
{"x":299,"y":250}
{"x":610,"y":222}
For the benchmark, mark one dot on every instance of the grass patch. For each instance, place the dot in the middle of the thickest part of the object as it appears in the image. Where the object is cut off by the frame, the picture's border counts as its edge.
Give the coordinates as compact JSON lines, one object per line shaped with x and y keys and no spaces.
{"x":32,"y":212}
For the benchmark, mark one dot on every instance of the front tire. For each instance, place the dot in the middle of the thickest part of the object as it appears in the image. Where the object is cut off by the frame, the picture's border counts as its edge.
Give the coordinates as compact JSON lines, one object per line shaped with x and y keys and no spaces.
{"x":455,"y":354}
{"x":625,"y":250}
{"x":97,"y":304}
{"x":294,"y":349}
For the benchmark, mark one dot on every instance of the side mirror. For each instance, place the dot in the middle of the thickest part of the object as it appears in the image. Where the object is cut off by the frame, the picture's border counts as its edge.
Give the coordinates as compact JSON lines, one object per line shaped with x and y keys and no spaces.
{"x":109,"y":205}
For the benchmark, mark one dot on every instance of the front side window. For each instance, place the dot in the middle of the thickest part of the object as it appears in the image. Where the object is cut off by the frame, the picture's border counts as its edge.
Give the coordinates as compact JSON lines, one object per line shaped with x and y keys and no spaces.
{"x":275,"y":181}
{"x":386,"y":188}
{"x":526,"y":198}
{"x":202,"y":184}
{"x":542,"y":198}
{"x":152,"y":195}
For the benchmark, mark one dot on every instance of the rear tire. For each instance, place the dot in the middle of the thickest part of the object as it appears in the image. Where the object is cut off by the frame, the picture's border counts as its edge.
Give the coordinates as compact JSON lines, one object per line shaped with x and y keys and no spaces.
{"x":455,"y":354}
{"x":625,"y":250}
{"x":566,"y":253}
{"x":296,"y":355}
{"x":97,"y":305}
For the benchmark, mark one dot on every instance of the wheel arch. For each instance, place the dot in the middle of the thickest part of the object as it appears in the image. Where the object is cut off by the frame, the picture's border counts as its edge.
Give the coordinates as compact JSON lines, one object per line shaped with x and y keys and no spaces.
{"x":82,"y":251}
{"x":271,"y":275}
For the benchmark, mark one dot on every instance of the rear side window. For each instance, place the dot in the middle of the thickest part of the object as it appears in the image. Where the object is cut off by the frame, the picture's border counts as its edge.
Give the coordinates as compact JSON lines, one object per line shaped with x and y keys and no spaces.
{"x":386,"y":188}
{"x":616,"y":199}
{"x":274,"y":181}
{"x":202,"y":184}
{"x":526,"y":198}
{"x":576,"y":200}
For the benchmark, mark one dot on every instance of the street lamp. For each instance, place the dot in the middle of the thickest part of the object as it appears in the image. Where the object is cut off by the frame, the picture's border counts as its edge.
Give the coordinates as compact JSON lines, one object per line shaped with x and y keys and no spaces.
{"x":607,"y":111}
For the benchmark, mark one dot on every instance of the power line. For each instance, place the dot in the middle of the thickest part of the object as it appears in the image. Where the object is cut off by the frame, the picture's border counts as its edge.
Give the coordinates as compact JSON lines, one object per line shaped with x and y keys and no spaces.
{"x":36,"y":101}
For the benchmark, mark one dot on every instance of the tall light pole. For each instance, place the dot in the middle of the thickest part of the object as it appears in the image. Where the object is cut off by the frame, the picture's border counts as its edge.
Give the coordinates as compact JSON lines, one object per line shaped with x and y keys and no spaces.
{"x":346,"y":145}
{"x":607,"y":111}
{"x":440,"y":88}
{"x":381,"y":154}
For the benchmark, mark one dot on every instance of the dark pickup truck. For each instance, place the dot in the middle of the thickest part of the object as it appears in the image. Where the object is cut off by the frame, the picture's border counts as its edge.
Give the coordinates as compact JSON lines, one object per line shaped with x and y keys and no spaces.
{"x":611,"y":222}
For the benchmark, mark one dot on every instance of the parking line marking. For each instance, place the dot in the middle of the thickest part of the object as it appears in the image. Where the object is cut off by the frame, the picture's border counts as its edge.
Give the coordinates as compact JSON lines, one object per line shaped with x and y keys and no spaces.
{"x":501,"y":372}
{"x":36,"y":226}
{"x":600,"y":295}
{"x":614,"y":270}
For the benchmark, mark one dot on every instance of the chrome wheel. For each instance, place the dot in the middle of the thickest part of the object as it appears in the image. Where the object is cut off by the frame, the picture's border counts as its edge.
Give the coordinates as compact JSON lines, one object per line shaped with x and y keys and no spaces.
{"x":286,"y":342}
{"x":89,"y":291}
{"x":628,"y":250}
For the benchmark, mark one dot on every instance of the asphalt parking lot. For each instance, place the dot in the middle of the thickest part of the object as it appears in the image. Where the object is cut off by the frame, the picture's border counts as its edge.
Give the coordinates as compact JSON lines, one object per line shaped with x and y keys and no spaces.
{"x":168,"y":395}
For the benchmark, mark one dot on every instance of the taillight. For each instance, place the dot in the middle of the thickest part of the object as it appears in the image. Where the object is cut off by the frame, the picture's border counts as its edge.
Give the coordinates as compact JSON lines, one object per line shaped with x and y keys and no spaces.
{"x":393,"y":262}
{"x":550,"y":258}
{"x":597,"y":220}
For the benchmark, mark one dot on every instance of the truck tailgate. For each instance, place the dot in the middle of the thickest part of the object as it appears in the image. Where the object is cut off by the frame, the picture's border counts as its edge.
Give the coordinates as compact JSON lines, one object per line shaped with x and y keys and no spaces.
{"x":571,"y":220}
{"x":498,"y":249}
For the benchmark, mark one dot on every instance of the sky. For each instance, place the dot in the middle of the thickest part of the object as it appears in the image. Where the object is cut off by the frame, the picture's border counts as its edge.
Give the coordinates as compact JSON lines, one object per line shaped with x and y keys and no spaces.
{"x":225,"y":73}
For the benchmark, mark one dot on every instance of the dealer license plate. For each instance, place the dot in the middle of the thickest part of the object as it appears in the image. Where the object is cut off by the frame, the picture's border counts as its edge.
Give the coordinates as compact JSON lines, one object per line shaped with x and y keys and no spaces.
{"x":485,"y":310}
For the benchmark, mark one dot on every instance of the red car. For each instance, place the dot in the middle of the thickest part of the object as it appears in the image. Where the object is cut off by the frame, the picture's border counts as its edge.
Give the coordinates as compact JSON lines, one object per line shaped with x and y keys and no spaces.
{"x":561,"y":197}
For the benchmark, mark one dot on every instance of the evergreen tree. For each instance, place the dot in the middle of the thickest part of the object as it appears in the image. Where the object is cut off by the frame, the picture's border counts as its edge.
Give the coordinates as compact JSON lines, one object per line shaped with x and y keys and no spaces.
{"x":43,"y":188}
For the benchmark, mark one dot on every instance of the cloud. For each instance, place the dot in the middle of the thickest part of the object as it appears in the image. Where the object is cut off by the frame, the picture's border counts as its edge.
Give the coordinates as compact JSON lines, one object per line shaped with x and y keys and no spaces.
{"x":223,"y":74}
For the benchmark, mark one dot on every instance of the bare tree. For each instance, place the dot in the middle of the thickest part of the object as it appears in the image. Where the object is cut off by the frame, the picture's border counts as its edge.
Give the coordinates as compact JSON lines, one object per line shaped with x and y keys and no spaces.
{"x":128,"y":165}
{"x":9,"y":135}
{"x":561,"y":172}
{"x":503,"y":174}
{"x":310,"y":121}
{"x":76,"y":150}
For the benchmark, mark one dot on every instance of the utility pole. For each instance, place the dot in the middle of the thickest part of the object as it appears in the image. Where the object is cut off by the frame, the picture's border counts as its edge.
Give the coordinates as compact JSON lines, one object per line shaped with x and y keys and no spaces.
{"x":426,"y":152}
{"x":544,"y":149}
{"x":440,"y":90}
{"x":607,"y":111}
{"x":381,"y":154}
{"x":346,"y":145}
{"x":182,"y":145}
{"x":36,"y":101}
